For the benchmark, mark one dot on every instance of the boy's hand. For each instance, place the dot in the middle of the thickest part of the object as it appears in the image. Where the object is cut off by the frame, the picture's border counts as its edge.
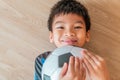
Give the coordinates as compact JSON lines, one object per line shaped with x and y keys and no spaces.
{"x":73,"y":71}
{"x":95,"y":66}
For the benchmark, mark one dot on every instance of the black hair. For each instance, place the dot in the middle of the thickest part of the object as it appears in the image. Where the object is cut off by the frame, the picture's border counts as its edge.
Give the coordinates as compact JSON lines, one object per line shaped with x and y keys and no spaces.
{"x":66,"y":7}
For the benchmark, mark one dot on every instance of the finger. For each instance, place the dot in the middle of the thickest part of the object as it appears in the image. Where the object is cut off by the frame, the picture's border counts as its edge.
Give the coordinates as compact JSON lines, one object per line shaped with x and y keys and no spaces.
{"x":64,"y":70}
{"x":93,"y":56}
{"x":100,"y":61}
{"x":97,"y":60}
{"x":89,"y":57}
{"x":71,"y":64}
{"x":77,"y":65}
{"x":88,"y":65}
{"x":82,"y":70}
{"x":81,"y":67}
{"x":84,"y":73}
{"x":94,"y":60}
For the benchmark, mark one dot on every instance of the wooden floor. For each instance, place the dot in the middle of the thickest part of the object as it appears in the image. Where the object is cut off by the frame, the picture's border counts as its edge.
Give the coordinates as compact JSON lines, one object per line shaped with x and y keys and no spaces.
{"x":24,"y":35}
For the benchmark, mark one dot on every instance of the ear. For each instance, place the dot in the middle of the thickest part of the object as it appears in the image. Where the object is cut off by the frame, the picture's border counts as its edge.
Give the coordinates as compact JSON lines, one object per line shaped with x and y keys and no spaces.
{"x":51,"y":37}
{"x":88,"y":36}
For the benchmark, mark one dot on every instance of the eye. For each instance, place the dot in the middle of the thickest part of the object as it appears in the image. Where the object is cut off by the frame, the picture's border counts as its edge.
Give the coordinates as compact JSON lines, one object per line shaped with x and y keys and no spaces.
{"x":77,"y":27}
{"x":60,"y":27}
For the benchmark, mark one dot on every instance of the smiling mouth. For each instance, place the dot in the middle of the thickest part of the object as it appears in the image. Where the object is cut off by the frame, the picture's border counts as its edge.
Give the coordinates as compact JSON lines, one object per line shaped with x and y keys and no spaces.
{"x":69,"y":42}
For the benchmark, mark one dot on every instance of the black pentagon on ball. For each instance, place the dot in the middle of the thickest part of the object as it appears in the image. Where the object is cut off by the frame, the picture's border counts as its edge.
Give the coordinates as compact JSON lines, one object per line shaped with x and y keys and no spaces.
{"x":63,"y":58}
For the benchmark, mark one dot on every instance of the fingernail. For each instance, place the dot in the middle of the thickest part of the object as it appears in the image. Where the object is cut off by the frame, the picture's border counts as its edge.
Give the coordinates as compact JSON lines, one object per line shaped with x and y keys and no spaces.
{"x":83,"y":51}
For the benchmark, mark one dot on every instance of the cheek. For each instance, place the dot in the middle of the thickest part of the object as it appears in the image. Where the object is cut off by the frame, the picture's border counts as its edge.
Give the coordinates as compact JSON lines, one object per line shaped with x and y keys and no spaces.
{"x":81,"y":34}
{"x":56,"y":36}
{"x":81,"y":37}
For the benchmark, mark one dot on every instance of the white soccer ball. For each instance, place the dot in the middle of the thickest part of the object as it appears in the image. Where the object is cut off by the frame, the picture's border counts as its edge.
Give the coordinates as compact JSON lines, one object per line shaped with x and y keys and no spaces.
{"x":53,"y":64}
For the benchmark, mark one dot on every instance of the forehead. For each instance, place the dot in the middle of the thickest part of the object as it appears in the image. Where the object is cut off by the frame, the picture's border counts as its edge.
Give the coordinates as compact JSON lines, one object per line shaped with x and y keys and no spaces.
{"x":68,"y":18}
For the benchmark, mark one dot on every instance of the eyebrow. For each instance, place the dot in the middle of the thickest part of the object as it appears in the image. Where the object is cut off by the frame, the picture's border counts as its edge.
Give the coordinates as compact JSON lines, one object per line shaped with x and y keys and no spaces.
{"x":63,"y":22}
{"x":79,"y":22}
{"x":59,"y":22}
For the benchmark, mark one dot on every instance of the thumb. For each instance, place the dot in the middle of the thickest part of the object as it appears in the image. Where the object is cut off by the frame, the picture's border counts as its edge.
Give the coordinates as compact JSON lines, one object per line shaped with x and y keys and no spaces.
{"x":64,"y":70}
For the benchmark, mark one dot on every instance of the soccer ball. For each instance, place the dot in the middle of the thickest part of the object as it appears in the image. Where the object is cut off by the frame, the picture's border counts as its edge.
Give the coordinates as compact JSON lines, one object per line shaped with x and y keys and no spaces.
{"x":53,"y":64}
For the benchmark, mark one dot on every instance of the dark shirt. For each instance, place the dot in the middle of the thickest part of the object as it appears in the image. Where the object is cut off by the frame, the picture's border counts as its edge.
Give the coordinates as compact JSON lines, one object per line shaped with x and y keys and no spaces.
{"x":39,"y":61}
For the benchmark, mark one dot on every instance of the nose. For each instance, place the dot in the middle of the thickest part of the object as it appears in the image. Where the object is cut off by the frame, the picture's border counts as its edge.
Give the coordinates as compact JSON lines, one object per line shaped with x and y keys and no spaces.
{"x":69,"y":33}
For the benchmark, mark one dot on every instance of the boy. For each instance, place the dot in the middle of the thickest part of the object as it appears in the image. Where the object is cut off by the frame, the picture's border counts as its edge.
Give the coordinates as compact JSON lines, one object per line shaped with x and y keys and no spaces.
{"x":69,"y":24}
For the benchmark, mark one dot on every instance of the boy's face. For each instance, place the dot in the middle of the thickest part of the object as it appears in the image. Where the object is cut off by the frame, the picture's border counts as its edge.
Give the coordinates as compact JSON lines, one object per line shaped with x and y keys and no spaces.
{"x":69,"y":29}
